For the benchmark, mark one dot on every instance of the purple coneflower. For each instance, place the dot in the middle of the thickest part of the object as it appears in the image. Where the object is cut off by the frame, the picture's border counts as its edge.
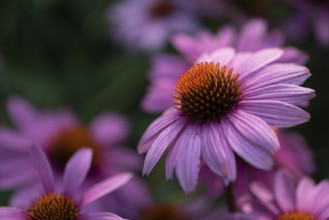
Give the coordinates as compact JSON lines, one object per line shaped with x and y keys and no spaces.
{"x":65,"y":201}
{"x":225,"y":104}
{"x":147,"y":24}
{"x":286,"y":200}
{"x":167,"y":68}
{"x":61,"y":134}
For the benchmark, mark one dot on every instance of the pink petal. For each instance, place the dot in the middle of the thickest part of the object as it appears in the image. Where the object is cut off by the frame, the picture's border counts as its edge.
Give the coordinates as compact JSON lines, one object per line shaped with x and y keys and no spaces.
{"x":21,"y":112}
{"x":216,"y":152}
{"x":42,"y":167}
{"x":167,"y":118}
{"x":246,"y":148}
{"x":110,"y":128}
{"x":12,"y":213}
{"x":104,"y":187}
{"x":290,"y":94}
{"x":275,"y":113}
{"x":278,"y":74}
{"x":256,"y":61}
{"x":14,"y":141}
{"x":188,"y":165}
{"x":256,"y":131}
{"x":101,"y":216}
{"x":76,"y":171}
{"x":161,"y":143}
{"x":265,"y":196}
{"x":251,"y":35}
{"x":293,"y":55}
{"x":303,"y":193}
{"x":284,"y":192}
{"x":222,"y":56}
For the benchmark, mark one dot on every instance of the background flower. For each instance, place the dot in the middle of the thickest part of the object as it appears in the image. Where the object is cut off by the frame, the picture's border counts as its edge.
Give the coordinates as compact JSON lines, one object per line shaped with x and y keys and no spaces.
{"x":48,"y":200}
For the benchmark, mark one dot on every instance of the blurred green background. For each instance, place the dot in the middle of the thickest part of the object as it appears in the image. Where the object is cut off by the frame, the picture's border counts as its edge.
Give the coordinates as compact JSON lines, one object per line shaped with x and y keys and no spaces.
{"x":58,"y":53}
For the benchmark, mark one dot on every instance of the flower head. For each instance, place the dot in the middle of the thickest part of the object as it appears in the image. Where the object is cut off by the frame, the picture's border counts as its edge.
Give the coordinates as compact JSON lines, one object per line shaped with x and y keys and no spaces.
{"x":66,"y":200}
{"x":225,"y":104}
{"x":167,"y":68}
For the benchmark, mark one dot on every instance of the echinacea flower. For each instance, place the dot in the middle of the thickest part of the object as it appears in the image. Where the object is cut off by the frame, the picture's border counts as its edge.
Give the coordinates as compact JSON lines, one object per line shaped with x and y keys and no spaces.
{"x":288,"y":200}
{"x":65,"y":201}
{"x":61,"y":134}
{"x":167,"y":68}
{"x":226,"y":103}
{"x":146,"y":25}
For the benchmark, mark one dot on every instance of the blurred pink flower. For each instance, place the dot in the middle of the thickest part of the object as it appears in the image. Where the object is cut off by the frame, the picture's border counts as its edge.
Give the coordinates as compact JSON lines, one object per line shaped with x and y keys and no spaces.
{"x":226,"y":104}
{"x":308,"y":16}
{"x":61,"y":134}
{"x":65,"y":200}
{"x":147,"y":24}
{"x":288,"y":200}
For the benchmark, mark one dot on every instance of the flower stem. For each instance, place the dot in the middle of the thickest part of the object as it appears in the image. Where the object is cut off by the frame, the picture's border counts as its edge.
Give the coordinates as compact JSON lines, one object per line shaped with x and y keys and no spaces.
{"x":233,"y":207}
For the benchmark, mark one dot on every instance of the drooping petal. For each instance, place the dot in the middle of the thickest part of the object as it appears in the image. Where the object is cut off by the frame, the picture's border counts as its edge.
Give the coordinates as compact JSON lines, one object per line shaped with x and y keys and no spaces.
{"x":8,"y":213}
{"x":275,"y":113}
{"x":42,"y":167}
{"x":255,"y":130}
{"x":291,"y":94}
{"x":161,"y":143}
{"x":76,"y":170}
{"x":246,"y":148}
{"x":168,"y":117}
{"x":104,"y":187}
{"x":284,"y":192}
{"x":101,"y":216}
{"x":216,"y":152}
{"x":188,"y":165}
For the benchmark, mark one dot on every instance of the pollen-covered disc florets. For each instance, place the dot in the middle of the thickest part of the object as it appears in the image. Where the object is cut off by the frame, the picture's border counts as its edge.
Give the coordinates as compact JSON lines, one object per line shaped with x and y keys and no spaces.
{"x":297,"y":215}
{"x":53,"y":207}
{"x":207,"y":91}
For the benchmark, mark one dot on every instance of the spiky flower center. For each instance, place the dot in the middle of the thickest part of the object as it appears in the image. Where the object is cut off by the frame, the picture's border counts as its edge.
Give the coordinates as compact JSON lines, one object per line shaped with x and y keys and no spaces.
{"x":207,"y":91}
{"x":53,"y":207}
{"x":69,"y":141}
{"x":161,"y":8}
{"x":163,"y":212}
{"x":297,"y":215}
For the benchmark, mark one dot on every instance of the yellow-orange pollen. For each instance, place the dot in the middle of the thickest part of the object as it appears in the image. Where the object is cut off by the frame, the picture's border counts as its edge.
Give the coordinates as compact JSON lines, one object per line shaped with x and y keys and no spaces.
{"x":207,"y":91}
{"x":53,"y":207}
{"x":297,"y":215}
{"x":163,"y":212}
{"x":68,"y":141}
{"x":161,"y":8}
